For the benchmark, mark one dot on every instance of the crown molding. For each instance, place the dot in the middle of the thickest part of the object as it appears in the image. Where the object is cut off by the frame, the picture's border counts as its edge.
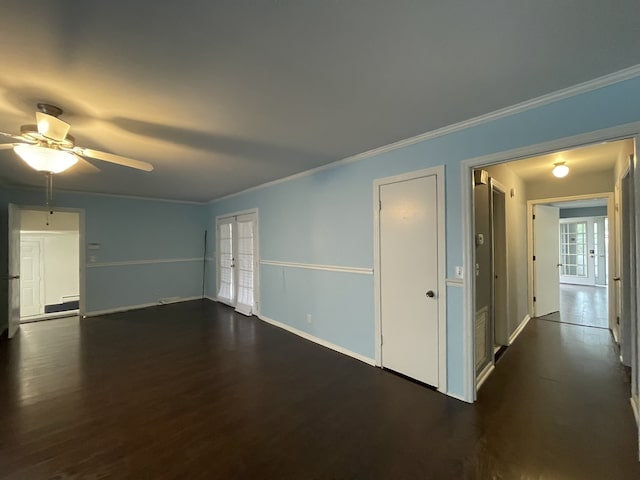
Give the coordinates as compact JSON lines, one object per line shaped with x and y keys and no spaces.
{"x":585,"y":87}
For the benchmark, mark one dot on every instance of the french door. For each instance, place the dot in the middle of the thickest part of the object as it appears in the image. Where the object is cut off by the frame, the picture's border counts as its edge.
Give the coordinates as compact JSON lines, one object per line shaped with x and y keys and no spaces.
{"x":237,"y":262}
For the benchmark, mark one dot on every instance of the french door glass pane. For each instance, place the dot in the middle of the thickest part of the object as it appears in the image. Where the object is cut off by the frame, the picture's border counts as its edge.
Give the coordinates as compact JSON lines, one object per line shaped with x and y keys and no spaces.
{"x":245,"y":266}
{"x":225,"y":255}
{"x":573,"y":248}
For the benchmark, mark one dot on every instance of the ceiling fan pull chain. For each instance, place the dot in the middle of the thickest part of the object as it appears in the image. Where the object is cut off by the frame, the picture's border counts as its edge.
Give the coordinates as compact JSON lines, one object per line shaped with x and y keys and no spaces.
{"x":49,"y":201}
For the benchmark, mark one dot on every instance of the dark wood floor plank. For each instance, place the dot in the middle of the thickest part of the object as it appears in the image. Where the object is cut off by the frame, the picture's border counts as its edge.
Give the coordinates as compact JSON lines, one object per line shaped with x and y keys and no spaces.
{"x":194,"y":391}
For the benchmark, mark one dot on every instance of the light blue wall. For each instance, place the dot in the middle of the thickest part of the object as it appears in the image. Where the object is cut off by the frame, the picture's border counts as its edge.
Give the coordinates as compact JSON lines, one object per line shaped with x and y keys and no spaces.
{"x":131,"y":230}
{"x":327,"y":218}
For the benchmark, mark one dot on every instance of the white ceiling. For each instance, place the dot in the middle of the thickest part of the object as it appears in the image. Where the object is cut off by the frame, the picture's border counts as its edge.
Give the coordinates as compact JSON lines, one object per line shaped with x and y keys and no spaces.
{"x":585,"y":160}
{"x":224,"y":95}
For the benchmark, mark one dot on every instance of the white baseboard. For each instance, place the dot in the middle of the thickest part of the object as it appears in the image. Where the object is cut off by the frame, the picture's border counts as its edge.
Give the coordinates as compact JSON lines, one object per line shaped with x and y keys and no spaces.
{"x":484,"y":375}
{"x":127,"y":308}
{"x":636,"y":409}
{"x":520,"y":328}
{"x":319,"y":341}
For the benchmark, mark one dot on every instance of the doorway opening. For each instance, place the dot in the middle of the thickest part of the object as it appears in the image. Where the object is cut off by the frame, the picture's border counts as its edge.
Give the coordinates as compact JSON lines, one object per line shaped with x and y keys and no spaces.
{"x":581,"y":248}
{"x":237,"y":261}
{"x":49,"y":264}
{"x":492,"y":286}
{"x":582,"y":280}
{"x":45,"y":230}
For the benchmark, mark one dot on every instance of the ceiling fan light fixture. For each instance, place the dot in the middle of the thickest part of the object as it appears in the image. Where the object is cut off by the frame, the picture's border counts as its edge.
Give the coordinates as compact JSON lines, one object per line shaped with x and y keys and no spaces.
{"x":560,"y":170}
{"x":45,"y":159}
{"x":52,"y":127}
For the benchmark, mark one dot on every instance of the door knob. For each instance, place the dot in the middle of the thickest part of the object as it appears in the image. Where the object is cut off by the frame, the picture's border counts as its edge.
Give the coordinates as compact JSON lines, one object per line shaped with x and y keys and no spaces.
{"x":13,"y":277}
{"x":430,"y":294}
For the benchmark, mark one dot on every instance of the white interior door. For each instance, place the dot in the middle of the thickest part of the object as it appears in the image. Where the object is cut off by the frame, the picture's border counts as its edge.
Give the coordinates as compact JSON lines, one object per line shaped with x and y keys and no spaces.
{"x":237,"y":262}
{"x":546,"y":249}
{"x":31,"y":281}
{"x":408,"y":243}
{"x":14,"y":269}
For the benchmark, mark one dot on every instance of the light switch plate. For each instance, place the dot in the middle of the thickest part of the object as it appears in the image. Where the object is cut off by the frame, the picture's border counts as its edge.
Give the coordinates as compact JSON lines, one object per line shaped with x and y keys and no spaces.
{"x":459,"y":272}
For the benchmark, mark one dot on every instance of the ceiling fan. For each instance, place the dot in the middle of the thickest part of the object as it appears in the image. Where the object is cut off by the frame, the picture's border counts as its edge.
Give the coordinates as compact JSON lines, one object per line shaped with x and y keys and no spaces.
{"x":48,"y":147}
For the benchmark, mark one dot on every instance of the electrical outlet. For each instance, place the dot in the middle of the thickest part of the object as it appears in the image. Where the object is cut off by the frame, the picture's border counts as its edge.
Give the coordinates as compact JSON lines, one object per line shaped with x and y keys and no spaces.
{"x":309,"y":319}
{"x":459,"y":272}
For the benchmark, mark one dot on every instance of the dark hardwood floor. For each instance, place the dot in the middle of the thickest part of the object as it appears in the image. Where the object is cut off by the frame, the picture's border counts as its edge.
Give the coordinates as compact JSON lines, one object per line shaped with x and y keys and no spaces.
{"x":195,"y":391}
{"x":582,"y":305}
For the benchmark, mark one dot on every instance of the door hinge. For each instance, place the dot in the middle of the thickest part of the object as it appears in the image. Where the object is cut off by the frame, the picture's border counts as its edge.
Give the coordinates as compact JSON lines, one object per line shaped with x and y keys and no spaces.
{"x":534,"y":216}
{"x":618,"y":320}
{"x":379,"y":205}
{"x":534,"y":299}
{"x":381,"y":339}
{"x":534,"y":258}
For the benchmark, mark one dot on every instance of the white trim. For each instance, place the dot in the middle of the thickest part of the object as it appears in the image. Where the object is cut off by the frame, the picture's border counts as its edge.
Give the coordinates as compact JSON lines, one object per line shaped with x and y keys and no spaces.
{"x":142,"y":262}
{"x":585,"y":87}
{"x":519,"y":329}
{"x":488,"y":370}
{"x":454,"y":282}
{"x":635,"y":408}
{"x":319,"y":341}
{"x":468,"y":254}
{"x":439,"y":172}
{"x":611,"y":310}
{"x":312,"y":266}
{"x":226,"y":216}
{"x":127,"y":308}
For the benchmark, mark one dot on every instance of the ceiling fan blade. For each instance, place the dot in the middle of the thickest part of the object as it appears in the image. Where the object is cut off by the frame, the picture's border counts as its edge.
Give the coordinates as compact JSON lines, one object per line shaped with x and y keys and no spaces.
{"x":11,"y":135}
{"x":84,"y":167}
{"x":112,"y":158}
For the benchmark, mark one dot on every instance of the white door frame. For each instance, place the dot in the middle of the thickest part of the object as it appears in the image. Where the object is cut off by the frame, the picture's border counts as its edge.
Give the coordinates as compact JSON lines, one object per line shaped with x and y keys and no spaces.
{"x":439,"y":173}
{"x":82,"y":307}
{"x":256,"y":261}
{"x":620,"y":132}
{"x":610,"y":253}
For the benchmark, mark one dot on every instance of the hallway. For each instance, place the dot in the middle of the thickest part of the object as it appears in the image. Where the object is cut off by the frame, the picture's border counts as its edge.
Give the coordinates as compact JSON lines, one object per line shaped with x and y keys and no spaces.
{"x":582,"y":305}
{"x":195,"y":390}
